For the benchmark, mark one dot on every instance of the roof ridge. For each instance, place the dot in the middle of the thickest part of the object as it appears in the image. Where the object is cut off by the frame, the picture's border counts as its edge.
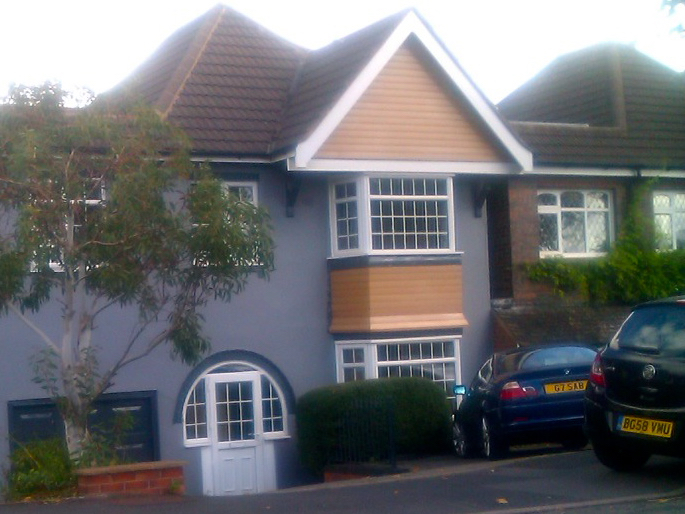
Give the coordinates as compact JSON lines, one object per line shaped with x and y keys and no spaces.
{"x":294,"y":84}
{"x":177,"y":83}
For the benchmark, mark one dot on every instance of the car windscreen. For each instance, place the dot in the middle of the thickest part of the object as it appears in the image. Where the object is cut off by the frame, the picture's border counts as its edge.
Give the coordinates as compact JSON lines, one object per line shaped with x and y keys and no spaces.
{"x":546,"y":358}
{"x":657,"y":329}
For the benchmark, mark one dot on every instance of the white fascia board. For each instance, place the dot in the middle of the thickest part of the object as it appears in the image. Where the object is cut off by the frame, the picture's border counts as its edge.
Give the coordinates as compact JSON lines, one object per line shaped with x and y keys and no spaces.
{"x":435,"y":167}
{"x":581,"y":172}
{"x":661,"y":173}
{"x":605,"y":172}
{"x":411,"y":24}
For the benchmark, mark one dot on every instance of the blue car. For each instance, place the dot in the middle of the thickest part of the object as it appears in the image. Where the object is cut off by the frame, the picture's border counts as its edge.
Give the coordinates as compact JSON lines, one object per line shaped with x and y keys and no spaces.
{"x":521,"y":396}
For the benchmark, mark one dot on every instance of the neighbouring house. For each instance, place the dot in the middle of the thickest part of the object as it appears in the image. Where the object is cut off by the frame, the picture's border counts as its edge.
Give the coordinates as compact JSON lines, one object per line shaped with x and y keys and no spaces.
{"x":600,"y":122}
{"x":370,"y":156}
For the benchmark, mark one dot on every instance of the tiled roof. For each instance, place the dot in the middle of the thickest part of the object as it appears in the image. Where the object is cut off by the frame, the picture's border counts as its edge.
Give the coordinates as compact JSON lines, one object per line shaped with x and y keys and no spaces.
{"x":605,"y":106}
{"x":327,"y":73}
{"x":224,"y":79}
{"x":230,"y":83}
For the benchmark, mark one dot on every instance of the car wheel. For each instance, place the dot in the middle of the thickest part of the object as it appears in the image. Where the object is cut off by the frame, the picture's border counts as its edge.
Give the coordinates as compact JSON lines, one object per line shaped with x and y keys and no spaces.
{"x":619,"y":457}
{"x":462,"y":445}
{"x":493,"y":446}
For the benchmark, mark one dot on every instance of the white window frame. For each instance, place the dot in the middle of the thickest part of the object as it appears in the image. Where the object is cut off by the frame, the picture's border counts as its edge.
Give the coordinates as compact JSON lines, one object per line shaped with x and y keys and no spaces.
{"x":364,"y":199}
{"x":371,"y":363}
{"x":253,"y":184}
{"x":671,"y":211}
{"x":558,"y":210}
{"x":205,"y":441}
{"x":89,"y":203}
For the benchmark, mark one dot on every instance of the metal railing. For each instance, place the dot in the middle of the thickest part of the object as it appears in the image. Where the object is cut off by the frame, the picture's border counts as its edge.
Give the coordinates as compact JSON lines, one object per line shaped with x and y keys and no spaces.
{"x":366,"y":433}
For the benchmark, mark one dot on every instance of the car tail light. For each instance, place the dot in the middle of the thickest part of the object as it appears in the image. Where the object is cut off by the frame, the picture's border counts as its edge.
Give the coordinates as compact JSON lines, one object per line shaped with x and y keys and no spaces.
{"x":597,"y":372}
{"x":514,"y":391}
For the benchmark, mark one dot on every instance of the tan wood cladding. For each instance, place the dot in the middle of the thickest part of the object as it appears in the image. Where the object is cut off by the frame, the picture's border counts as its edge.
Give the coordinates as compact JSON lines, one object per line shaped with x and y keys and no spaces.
{"x":388,"y":298}
{"x":409,"y":113}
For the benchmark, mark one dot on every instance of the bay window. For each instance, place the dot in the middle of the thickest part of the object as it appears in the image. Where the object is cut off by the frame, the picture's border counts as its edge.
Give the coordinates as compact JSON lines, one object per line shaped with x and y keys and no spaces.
{"x":392,"y":215}
{"x":431,"y":358}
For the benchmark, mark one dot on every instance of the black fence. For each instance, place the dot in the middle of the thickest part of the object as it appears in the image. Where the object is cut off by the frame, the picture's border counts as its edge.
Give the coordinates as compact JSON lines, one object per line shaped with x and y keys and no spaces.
{"x":366,"y":433}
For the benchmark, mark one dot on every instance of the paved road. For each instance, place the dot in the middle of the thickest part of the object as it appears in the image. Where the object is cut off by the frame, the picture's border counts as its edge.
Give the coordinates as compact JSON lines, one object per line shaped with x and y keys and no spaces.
{"x":551,"y":482}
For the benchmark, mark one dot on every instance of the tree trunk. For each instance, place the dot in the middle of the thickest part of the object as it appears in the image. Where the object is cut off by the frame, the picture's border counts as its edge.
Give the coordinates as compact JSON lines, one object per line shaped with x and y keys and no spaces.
{"x":76,"y":436}
{"x":75,"y":409}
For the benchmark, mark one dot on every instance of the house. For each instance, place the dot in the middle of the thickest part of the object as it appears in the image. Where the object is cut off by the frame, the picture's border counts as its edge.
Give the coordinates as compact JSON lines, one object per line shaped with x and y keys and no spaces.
{"x":401,"y":202}
{"x":600,"y":122}
{"x":370,"y":155}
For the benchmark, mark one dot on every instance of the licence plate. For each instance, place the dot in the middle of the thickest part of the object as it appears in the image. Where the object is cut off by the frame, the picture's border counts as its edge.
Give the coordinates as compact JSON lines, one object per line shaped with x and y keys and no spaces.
{"x":645,"y":426}
{"x":566,"y":387}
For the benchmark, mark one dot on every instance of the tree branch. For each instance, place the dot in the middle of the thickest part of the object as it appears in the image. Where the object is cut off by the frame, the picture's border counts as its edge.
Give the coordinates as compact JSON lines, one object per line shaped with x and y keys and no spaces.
{"x":46,"y":339}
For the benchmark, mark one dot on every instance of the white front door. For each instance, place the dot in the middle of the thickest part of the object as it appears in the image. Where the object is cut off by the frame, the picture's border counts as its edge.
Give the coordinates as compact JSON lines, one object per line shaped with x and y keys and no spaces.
{"x":236,"y":433}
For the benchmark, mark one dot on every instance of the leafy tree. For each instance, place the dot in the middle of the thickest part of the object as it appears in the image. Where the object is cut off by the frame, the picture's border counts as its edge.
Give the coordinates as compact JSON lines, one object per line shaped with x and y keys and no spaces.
{"x":101,"y":209}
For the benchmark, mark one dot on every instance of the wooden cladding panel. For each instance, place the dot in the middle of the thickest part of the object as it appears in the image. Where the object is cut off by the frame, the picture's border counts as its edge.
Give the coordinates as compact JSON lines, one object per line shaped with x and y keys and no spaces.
{"x":408,"y":113}
{"x":388,"y":298}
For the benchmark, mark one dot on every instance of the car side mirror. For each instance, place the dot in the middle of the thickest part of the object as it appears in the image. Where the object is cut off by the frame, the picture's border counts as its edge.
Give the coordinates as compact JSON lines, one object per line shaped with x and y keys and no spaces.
{"x":459,"y":389}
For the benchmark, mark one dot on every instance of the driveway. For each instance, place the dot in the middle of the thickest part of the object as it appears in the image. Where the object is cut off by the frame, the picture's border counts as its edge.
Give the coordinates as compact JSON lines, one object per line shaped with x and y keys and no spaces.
{"x":532,"y":482}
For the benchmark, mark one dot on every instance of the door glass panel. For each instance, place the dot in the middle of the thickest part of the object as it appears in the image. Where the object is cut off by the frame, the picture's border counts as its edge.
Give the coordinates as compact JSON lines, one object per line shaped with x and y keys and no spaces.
{"x":235,"y":411}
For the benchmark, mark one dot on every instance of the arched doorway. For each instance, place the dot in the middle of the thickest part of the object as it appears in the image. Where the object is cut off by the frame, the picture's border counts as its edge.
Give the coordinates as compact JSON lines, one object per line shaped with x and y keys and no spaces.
{"x":235,"y":407}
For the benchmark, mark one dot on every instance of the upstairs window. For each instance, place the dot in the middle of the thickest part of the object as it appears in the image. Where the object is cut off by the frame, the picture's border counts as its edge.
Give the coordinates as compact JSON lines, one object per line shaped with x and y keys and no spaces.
{"x":574,"y":223}
{"x":346,"y":216}
{"x":669,"y":219}
{"x":84,"y":207}
{"x":392,"y":215}
{"x":409,"y":214}
{"x":243,"y":191}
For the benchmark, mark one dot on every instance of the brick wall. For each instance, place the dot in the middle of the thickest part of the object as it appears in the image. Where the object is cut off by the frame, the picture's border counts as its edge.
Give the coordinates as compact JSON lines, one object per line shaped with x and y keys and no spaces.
{"x":142,"y":478}
{"x":524,"y":223}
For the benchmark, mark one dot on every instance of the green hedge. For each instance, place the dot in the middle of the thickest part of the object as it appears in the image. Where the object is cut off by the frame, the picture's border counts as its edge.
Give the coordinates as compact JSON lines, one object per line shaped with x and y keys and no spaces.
{"x":420,"y":413}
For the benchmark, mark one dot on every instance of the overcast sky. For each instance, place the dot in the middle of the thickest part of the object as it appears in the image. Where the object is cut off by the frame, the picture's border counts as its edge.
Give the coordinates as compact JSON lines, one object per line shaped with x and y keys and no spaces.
{"x":500,"y":43}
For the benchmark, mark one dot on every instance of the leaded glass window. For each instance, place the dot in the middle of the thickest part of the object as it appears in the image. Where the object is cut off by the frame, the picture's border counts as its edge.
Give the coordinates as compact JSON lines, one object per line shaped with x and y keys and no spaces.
{"x":574,"y":223}
{"x":669,"y":219}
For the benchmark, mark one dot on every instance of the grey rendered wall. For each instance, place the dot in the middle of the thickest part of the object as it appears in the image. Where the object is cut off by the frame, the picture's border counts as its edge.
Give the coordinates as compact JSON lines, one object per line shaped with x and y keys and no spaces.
{"x":283,"y":319}
{"x":471,"y":233}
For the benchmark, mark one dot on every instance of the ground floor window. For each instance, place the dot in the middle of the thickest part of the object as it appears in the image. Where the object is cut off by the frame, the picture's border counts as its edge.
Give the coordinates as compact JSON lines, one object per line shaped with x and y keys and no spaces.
{"x":669,"y":219}
{"x":435,"y":358}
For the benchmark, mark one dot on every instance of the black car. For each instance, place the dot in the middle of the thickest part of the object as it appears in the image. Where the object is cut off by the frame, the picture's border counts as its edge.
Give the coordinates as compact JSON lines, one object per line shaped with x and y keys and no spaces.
{"x":635,"y":403}
{"x":530,"y":394}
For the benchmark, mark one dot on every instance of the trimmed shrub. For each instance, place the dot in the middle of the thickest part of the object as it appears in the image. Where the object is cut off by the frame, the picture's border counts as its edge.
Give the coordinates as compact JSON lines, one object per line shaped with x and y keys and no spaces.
{"x":420,"y":418}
